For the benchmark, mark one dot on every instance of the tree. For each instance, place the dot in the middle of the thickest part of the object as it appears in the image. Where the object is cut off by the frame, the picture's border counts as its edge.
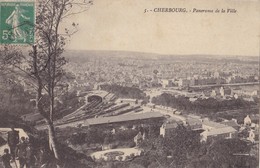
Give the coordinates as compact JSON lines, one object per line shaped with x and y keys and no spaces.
{"x":226,"y":153}
{"x":44,"y":65}
{"x":155,"y":71}
{"x":14,"y":99}
{"x":183,"y":144}
{"x":174,"y":150}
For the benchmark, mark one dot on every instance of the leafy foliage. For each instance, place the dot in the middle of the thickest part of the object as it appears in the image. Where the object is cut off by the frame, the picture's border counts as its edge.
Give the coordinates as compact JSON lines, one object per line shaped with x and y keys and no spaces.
{"x":182,"y":148}
{"x":97,"y":136}
{"x":181,"y":145}
{"x":201,"y":106}
{"x":68,"y":102}
{"x":224,"y":153}
{"x":13,"y":98}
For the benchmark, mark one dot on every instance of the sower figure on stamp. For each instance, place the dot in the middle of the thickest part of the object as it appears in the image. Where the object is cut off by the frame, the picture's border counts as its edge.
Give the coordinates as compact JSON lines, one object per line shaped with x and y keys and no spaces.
{"x":13,"y":140}
{"x":14,"y":21}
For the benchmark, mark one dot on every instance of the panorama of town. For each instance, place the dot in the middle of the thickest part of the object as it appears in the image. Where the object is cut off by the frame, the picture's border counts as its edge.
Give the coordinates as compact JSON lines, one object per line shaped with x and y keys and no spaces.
{"x":130,"y":109}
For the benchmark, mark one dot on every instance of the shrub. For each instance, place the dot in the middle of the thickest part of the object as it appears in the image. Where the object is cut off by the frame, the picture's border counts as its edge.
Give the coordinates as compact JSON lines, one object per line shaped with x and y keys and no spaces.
{"x":132,"y":155}
{"x":120,"y":158}
{"x":131,"y":144}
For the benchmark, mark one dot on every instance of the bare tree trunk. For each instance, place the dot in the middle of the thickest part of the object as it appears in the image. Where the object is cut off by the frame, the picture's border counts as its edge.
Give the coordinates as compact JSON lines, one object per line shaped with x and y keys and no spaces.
{"x":52,"y":141}
{"x":48,"y":118}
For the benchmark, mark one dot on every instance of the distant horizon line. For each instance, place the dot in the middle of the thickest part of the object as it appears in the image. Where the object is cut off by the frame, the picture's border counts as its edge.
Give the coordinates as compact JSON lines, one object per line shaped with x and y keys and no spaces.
{"x":161,"y":54}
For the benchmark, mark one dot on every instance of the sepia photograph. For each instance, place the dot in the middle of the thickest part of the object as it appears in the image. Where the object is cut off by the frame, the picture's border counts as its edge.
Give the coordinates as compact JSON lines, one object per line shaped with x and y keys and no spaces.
{"x":129,"y":83}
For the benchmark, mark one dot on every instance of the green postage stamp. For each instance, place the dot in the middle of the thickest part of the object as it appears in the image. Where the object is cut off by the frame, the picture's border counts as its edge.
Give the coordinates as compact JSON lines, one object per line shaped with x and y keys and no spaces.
{"x":17,"y":19}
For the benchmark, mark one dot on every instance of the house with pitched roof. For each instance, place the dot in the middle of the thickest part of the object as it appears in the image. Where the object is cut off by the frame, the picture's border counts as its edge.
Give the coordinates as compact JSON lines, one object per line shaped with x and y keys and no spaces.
{"x":167,"y":128}
{"x":194,"y":123}
{"x":216,"y":130}
{"x":139,"y":138}
{"x":247,"y":120}
{"x":232,"y":123}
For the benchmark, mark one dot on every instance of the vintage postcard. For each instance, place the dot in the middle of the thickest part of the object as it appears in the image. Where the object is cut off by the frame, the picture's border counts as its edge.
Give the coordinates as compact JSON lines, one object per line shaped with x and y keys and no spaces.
{"x":129,"y":83}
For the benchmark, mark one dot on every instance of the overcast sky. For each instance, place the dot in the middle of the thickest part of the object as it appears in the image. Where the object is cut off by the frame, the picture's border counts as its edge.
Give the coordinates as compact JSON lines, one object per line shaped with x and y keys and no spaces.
{"x":123,"y":25}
